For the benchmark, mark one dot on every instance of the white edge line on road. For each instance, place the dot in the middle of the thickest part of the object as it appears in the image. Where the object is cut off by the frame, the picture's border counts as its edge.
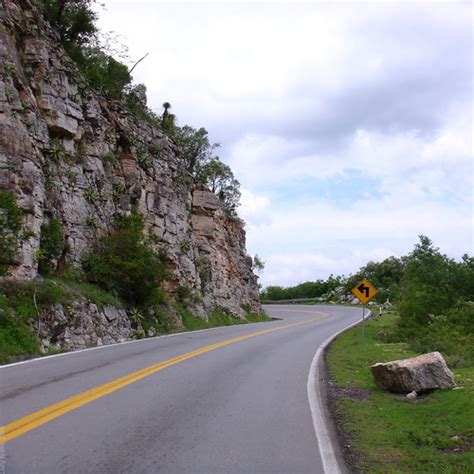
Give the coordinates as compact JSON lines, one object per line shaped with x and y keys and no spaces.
{"x":320,"y":422}
{"x":108,"y":346}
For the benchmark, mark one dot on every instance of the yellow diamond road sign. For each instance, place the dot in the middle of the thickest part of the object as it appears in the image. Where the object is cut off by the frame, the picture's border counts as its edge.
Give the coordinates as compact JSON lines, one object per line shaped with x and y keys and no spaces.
{"x":364,"y":291}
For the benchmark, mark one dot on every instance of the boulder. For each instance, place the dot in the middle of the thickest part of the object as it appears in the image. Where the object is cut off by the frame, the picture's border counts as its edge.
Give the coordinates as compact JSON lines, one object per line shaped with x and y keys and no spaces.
{"x":419,"y":374}
{"x":387,"y":305}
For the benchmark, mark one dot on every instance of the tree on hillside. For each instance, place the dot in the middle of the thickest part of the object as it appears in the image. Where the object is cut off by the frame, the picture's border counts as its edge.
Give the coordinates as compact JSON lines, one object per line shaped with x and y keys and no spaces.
{"x":73,"y":19}
{"x":428,"y":283}
{"x":258,"y":264}
{"x":221,"y":181}
{"x":168,"y":121}
{"x":196,"y":150}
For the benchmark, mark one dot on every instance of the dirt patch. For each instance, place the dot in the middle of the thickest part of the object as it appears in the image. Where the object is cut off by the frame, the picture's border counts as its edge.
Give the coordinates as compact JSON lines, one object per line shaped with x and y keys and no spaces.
{"x":466,"y":445}
{"x":353,"y":393}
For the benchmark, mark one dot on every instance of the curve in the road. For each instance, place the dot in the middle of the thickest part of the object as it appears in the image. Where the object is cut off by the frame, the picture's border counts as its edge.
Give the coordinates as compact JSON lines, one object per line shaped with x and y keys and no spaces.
{"x":40,"y":417}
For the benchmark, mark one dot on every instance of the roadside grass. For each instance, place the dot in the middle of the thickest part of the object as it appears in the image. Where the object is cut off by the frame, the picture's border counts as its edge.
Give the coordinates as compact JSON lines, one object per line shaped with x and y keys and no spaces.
{"x":387,"y":432}
{"x":217,"y":319}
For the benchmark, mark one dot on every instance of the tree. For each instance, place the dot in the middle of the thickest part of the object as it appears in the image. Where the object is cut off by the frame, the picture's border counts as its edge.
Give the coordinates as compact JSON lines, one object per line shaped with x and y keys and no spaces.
{"x":105,"y":73}
{"x":258,"y":264}
{"x":73,"y":19}
{"x":221,"y":181}
{"x":196,"y":150}
{"x":428,"y":284}
{"x":168,"y":121}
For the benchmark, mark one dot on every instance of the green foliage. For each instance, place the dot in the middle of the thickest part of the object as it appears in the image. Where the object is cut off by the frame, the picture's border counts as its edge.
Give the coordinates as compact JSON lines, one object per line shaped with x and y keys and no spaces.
{"x":309,"y":289}
{"x":199,"y":161}
{"x":185,"y":245}
{"x":16,"y":335}
{"x":52,"y":246}
{"x":124,"y":263}
{"x":183,"y":293}
{"x":168,"y":121}
{"x":91,"y":222}
{"x":195,"y":148}
{"x":10,"y":229}
{"x":56,"y":151}
{"x":219,"y":178}
{"x":109,"y":157}
{"x":429,"y":284}
{"x":118,"y":190}
{"x":105,"y":74}
{"x":385,"y":276}
{"x":73,"y":19}
{"x":155,"y":149}
{"x":20,"y":303}
{"x":219,"y":317}
{"x":203,"y":266}
{"x":144,"y":160}
{"x":91,"y":195}
{"x":135,"y":100}
{"x":94,"y":294}
{"x":258,"y":264}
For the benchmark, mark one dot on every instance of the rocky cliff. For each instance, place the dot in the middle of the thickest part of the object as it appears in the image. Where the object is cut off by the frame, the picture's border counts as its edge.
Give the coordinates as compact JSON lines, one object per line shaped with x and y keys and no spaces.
{"x":70,"y":154}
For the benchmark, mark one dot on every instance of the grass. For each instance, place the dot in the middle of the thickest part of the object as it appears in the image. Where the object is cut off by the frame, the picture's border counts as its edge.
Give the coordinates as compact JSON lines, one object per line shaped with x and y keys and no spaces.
{"x":93,"y":293}
{"x":217,"y":319}
{"x":390,"y":433}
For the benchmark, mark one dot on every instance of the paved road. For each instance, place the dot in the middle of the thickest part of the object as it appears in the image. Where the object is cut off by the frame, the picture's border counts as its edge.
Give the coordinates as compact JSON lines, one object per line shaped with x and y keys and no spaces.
{"x":238,"y":406}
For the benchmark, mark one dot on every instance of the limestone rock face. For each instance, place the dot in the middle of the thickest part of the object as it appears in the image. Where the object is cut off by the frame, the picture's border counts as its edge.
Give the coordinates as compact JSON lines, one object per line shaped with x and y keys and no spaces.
{"x":68,"y":153}
{"x":419,"y":374}
{"x":82,"y":324}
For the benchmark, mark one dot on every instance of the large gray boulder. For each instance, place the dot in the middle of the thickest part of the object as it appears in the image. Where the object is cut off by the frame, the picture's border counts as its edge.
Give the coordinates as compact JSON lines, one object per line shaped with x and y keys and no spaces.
{"x":419,"y":374}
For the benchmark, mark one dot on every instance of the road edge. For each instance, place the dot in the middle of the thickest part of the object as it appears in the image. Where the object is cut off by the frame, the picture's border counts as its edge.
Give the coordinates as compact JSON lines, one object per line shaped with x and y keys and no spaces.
{"x":329,"y":449}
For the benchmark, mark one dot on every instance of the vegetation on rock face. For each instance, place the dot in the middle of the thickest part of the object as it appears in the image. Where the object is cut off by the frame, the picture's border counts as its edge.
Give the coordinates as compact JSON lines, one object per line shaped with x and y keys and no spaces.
{"x":220,"y":179}
{"x":125,"y":263}
{"x":20,"y":303}
{"x":199,"y":160}
{"x":52,"y":246}
{"x":10,"y":228}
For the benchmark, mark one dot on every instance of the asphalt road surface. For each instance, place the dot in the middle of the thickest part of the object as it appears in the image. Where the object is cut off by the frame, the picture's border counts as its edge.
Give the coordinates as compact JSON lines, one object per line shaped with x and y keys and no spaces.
{"x":224,"y":400}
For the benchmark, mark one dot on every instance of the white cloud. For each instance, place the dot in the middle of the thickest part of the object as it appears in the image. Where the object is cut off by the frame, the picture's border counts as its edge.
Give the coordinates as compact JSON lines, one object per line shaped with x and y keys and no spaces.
{"x":254,"y":208}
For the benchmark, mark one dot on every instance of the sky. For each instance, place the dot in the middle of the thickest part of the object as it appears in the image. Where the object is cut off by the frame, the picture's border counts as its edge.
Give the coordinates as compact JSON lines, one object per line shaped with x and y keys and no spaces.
{"x":348,"y":124}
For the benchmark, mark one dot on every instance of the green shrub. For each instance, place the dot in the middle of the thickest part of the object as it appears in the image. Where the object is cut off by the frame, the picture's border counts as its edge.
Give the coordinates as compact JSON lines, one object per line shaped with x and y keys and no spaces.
{"x":52,"y":246}
{"x":16,"y":335}
{"x":429,"y":285}
{"x":10,"y":228}
{"x":451,"y":333}
{"x":183,"y":293}
{"x":124,"y":263}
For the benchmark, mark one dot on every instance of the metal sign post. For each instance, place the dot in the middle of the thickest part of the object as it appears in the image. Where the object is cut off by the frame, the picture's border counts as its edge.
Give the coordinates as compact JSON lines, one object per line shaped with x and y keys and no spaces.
{"x":363,"y":323}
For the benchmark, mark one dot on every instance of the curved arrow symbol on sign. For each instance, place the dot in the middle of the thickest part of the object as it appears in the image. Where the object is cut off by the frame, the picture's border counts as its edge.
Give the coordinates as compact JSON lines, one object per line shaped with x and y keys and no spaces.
{"x":364,"y":289}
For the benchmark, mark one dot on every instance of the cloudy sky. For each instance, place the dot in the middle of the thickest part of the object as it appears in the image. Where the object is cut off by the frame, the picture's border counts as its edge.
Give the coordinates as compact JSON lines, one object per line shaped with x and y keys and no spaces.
{"x":348,"y":124}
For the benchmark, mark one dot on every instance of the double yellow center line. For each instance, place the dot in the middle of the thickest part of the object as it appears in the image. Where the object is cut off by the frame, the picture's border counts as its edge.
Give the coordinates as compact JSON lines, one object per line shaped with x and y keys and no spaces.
{"x":40,"y":417}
